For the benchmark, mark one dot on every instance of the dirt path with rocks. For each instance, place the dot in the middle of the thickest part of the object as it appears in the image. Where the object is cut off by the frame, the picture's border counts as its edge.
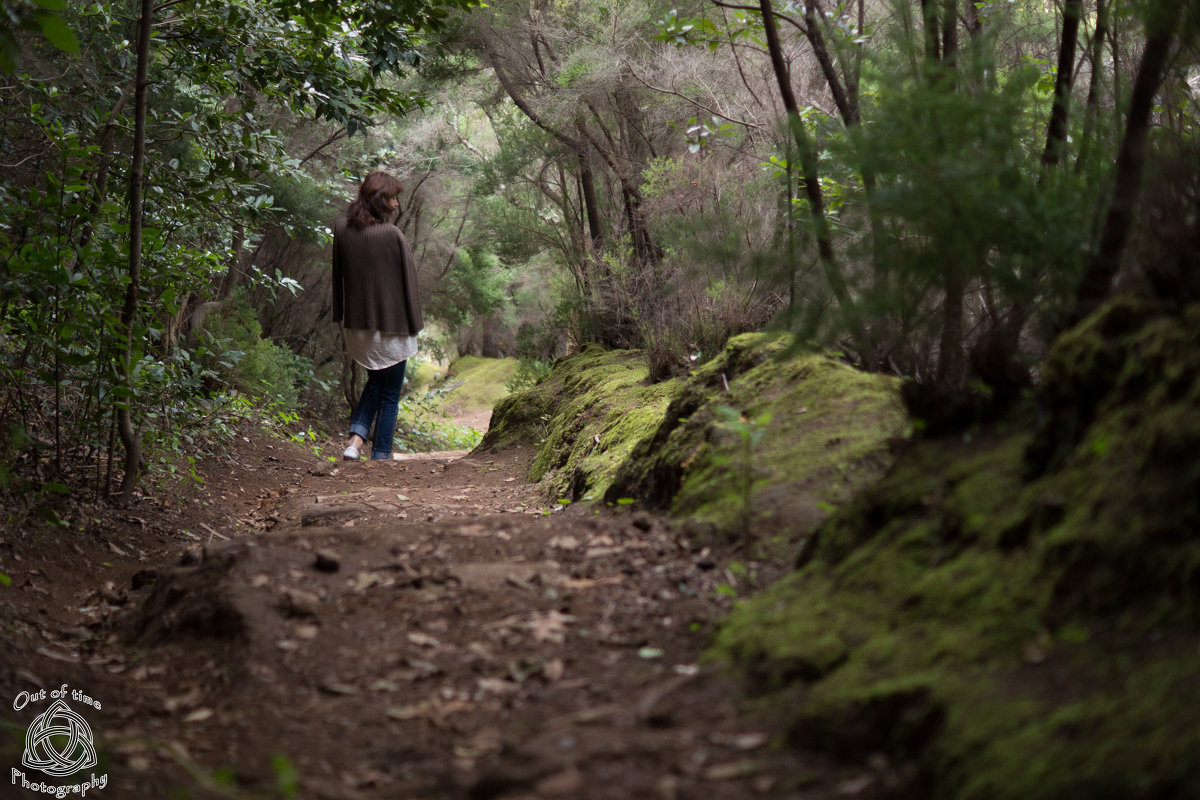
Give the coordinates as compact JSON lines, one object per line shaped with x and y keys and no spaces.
{"x":421,"y":628}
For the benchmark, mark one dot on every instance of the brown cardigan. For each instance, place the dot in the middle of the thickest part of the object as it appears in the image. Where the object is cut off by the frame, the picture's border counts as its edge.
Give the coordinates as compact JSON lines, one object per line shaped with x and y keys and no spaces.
{"x":375,"y":280}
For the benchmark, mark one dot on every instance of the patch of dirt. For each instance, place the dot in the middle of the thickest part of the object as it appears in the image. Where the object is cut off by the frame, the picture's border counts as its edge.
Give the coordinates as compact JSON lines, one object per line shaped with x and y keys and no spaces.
{"x":416,"y":628}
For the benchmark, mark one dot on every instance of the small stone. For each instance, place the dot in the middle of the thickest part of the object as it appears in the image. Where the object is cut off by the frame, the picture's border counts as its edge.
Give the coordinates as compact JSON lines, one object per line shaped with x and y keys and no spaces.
{"x":560,"y":784}
{"x":299,"y":603}
{"x":327,"y":561}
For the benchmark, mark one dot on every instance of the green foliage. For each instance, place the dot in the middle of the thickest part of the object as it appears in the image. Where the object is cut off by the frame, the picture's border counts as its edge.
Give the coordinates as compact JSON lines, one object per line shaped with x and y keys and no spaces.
{"x":537,"y":345}
{"x":472,"y":287}
{"x":43,"y":16}
{"x":750,"y":433}
{"x":960,"y":185}
{"x":530,"y":372}
{"x":235,"y":90}
{"x":423,"y":426}
{"x":287,"y":778}
{"x":259,"y":367}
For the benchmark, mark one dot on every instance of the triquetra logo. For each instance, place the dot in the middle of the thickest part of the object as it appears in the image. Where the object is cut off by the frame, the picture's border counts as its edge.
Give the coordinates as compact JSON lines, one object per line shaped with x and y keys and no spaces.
{"x":59,"y":742}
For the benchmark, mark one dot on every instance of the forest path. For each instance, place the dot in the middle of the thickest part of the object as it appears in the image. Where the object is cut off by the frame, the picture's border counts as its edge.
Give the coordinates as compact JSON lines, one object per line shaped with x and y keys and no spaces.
{"x":420,"y":628}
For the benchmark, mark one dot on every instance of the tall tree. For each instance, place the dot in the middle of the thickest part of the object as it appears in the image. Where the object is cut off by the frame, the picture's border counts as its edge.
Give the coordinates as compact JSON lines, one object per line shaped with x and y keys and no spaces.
{"x":810,"y":171}
{"x":1064,"y":80}
{"x":129,"y":436}
{"x":1097,"y":281}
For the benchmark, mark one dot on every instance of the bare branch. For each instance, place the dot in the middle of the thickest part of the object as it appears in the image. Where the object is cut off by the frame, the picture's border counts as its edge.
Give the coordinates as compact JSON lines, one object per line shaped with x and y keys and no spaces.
{"x":777,"y":14}
{"x":696,"y":103}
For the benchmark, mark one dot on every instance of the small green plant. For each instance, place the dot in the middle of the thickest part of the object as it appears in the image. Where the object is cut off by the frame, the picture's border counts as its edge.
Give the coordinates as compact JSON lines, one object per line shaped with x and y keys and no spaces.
{"x":287,"y":779}
{"x":750,"y":432}
{"x":422,"y":426}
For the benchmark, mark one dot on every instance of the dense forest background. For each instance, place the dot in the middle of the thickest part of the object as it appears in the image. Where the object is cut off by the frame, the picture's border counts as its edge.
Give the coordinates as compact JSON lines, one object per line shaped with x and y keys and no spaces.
{"x":928,"y":188}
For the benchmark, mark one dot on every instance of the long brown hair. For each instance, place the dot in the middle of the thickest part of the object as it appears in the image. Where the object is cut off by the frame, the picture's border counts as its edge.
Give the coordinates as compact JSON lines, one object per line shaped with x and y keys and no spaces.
{"x":373,"y":204}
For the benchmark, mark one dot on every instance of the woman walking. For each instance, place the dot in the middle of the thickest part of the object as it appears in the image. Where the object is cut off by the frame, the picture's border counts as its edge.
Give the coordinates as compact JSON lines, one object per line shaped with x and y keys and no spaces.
{"x":376,"y":298}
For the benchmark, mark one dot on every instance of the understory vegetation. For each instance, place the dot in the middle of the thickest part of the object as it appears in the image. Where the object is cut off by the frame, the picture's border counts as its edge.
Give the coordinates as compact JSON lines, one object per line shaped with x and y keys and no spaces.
{"x":903,"y":292}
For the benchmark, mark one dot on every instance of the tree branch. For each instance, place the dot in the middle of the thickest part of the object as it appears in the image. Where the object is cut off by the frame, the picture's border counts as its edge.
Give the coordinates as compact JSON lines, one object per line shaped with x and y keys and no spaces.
{"x":696,"y":103}
{"x":777,"y":14}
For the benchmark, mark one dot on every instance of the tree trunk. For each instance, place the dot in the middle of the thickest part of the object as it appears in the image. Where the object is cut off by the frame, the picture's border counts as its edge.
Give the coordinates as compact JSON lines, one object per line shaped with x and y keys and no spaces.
{"x":129,"y":437}
{"x":952,"y":361}
{"x":233,"y":274}
{"x":1097,"y":281}
{"x":808,"y":161}
{"x":846,"y":104}
{"x":845,"y":97}
{"x":929,"y":18}
{"x":1092,"y":106}
{"x":1056,"y":130}
{"x":587,"y":188}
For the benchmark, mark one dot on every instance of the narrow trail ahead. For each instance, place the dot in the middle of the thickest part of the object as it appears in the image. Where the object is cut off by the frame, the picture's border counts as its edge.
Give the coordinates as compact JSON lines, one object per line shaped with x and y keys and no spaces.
{"x":422,"y":628}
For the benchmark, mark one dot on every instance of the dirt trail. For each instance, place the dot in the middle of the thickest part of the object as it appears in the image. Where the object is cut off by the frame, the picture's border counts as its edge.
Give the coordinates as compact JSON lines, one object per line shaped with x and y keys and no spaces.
{"x":422,"y":628}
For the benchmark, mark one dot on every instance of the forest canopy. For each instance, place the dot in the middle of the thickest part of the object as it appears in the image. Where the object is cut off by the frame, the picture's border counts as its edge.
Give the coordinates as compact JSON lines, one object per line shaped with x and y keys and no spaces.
{"x":927,"y":188}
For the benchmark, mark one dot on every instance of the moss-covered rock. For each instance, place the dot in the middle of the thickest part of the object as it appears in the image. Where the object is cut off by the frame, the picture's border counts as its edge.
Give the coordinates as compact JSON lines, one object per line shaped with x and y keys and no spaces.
{"x":1016,"y":611}
{"x":823,"y":430}
{"x":800,"y":432}
{"x":585,"y":417}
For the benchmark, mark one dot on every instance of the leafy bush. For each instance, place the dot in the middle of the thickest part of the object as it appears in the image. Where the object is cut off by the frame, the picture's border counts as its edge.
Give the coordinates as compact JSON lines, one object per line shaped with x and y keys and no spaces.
{"x":259,"y":367}
{"x":422,"y":426}
{"x":530,"y":372}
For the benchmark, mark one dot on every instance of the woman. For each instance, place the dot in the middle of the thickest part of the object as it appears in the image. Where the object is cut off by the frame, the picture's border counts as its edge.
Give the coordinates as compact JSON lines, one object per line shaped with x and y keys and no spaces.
{"x":375,"y":297}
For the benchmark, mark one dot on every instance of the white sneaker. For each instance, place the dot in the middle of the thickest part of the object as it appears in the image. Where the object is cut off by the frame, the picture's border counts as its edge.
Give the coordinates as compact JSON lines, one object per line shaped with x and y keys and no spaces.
{"x":350,"y":454}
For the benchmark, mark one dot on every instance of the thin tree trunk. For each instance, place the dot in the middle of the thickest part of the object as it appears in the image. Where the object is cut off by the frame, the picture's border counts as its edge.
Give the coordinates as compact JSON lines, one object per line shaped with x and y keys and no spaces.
{"x":929,"y":18}
{"x":1056,"y":130}
{"x":846,"y":105}
{"x":808,"y":161}
{"x":1097,"y":281}
{"x":1092,"y":106}
{"x":845,"y":97}
{"x":129,"y":437}
{"x":974,"y":25}
{"x":233,"y":274}
{"x":952,"y":362}
{"x":587,"y":188}
{"x":950,"y":34}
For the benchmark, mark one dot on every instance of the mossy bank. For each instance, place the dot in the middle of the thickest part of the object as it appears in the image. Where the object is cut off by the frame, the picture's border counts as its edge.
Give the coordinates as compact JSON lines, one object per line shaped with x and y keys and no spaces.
{"x":585,"y":418}
{"x":1013,"y":613}
{"x":761,"y":433}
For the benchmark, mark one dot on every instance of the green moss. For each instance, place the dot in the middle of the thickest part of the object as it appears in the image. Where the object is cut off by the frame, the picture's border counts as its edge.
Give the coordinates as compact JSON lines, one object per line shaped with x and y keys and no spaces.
{"x":586,"y":417}
{"x":1015,"y":613}
{"x":825,"y":431}
{"x":478,"y":383}
{"x":1131,"y":735}
{"x":421,"y":373}
{"x":604,"y":432}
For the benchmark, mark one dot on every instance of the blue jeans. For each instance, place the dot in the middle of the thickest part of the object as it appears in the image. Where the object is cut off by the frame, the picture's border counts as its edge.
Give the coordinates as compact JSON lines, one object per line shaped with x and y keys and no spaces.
{"x":377,"y":408}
